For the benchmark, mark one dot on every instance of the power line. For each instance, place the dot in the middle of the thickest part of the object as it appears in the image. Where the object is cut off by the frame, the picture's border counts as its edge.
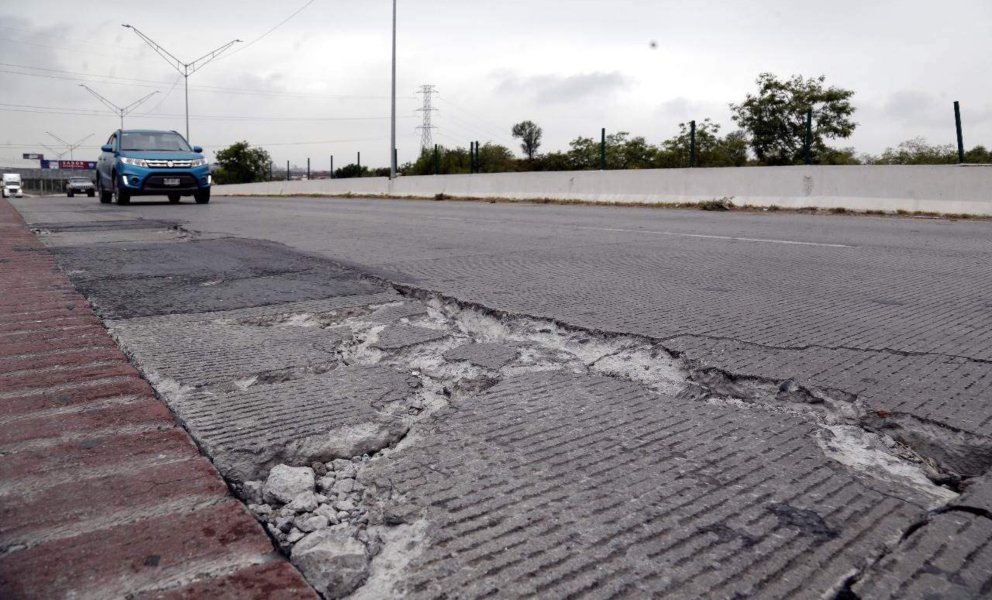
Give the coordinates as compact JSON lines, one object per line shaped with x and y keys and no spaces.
{"x":283,"y":22}
{"x":164,"y":98}
{"x":55,"y":110}
{"x":481,"y":122}
{"x":112,"y":80}
{"x":123,"y":111}
{"x":428,"y":110}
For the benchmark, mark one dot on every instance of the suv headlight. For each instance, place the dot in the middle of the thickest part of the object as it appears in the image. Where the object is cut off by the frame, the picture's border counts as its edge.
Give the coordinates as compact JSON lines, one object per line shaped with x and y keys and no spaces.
{"x":135,"y":162}
{"x":198,"y":162}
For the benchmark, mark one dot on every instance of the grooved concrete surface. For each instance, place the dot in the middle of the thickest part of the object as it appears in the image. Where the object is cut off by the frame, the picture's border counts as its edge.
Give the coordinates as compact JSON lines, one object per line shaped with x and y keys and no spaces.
{"x":101,"y":494}
{"x":569,"y":484}
{"x":552,"y":485}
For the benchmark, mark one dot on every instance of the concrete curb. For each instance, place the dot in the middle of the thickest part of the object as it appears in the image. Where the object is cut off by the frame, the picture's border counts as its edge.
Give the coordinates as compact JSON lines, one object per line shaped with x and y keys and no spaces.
{"x":101,"y":494}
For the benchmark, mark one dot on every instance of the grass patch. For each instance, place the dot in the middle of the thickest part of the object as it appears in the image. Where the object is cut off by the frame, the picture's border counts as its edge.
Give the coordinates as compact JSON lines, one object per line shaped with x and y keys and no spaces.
{"x":723,"y":204}
{"x":838,"y":210}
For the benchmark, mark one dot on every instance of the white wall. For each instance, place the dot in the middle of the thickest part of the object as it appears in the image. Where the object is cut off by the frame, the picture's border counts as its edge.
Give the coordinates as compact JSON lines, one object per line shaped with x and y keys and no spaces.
{"x":943,"y":189}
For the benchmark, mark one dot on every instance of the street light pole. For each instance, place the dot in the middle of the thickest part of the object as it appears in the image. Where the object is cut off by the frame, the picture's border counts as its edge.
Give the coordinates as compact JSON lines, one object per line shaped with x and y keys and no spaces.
{"x":71,"y":147}
{"x":117,"y":109}
{"x":392,"y":143}
{"x":184,"y":69}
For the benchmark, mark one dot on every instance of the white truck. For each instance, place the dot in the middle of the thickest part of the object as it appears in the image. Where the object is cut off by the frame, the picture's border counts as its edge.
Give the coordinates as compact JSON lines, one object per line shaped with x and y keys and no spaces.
{"x":12,"y":185}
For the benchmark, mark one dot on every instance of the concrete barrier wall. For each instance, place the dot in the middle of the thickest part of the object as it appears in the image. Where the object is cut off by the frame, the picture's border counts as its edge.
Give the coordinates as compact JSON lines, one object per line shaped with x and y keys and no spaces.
{"x":943,"y":189}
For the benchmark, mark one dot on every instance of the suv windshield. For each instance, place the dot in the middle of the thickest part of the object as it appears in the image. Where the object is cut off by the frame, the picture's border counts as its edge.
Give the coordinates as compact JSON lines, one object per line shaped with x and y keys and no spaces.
{"x":154,"y":141}
{"x":79,"y":180}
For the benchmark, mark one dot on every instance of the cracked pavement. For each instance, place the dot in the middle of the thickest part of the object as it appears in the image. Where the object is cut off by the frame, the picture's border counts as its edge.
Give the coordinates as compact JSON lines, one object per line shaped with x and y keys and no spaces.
{"x":576,"y":401}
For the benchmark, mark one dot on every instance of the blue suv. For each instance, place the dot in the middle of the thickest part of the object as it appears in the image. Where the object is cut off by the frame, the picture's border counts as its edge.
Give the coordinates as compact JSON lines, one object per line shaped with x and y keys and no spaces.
{"x":143,"y":162}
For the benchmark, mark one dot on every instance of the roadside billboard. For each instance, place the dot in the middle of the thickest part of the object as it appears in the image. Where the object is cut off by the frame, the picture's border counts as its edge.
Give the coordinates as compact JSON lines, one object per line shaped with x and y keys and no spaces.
{"x":77,"y":165}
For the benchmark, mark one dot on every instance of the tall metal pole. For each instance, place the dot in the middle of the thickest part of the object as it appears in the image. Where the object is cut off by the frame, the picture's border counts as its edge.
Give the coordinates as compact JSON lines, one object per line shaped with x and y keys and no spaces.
{"x":602,"y":151}
{"x":392,"y":143}
{"x":809,"y":137}
{"x":957,"y":121}
{"x":692,"y":145}
{"x":332,"y":166}
{"x":186,"y":77}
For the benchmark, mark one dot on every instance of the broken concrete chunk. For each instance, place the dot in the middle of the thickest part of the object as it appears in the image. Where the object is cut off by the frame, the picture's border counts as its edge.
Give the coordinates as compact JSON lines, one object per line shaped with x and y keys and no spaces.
{"x":487,"y":356}
{"x":329,"y":513}
{"x":403,"y":336}
{"x":311,"y":523}
{"x":325,"y":484}
{"x":350,"y":440}
{"x":332,"y":561}
{"x":304,"y":503}
{"x":252,"y":491}
{"x":344,"y":486}
{"x":286,"y":483}
{"x":347,"y":505}
{"x":294,"y":536}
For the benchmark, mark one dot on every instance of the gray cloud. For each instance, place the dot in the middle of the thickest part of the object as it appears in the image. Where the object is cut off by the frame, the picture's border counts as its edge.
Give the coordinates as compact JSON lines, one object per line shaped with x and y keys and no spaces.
{"x":556,"y":89}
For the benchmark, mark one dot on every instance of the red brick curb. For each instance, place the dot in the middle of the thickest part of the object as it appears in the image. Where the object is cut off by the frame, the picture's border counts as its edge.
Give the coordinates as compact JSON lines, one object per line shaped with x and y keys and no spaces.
{"x":101,"y":494}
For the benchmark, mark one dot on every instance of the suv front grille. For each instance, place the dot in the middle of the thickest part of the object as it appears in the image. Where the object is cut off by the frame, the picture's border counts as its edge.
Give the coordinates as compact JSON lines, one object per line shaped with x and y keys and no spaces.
{"x":169,"y":164}
{"x":157,"y":181}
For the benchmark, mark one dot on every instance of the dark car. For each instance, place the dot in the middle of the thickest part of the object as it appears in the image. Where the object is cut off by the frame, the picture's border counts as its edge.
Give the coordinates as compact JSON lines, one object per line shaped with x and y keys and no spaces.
{"x":80,"y":185}
{"x":145,"y":162}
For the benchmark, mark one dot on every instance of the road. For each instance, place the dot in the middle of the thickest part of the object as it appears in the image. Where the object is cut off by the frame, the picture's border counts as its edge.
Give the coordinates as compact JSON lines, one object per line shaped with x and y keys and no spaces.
{"x":784,"y":346}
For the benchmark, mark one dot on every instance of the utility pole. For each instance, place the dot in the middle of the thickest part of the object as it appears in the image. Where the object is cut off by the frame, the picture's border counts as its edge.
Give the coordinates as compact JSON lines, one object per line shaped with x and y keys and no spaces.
{"x":332,"y":166}
{"x":602,"y":151}
{"x":808,"y":146}
{"x":287,"y":170}
{"x":957,"y":122}
{"x":692,"y":145}
{"x":427,"y":129}
{"x":392,"y":143}
{"x":308,"y":169}
{"x":184,"y":69}
{"x":71,"y":147}
{"x":117,"y":109}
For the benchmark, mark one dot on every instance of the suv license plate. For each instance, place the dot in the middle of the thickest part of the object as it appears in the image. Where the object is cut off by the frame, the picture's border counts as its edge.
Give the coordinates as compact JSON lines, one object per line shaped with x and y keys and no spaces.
{"x":171,"y":182}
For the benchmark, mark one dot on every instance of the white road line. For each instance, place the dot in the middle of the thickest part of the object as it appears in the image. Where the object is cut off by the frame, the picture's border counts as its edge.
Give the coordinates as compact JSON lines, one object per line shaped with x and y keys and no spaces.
{"x":667,"y":233}
{"x":719,"y":237}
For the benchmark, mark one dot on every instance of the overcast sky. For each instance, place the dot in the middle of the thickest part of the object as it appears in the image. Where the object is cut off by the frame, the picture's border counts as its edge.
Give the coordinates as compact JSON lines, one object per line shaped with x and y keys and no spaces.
{"x":571,"y":66}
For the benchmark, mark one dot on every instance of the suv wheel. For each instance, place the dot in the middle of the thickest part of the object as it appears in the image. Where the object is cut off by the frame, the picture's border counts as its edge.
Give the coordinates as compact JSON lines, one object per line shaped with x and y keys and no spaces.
{"x":71,"y":194}
{"x":122,"y":196}
{"x":202,"y":197}
{"x":105,"y":196}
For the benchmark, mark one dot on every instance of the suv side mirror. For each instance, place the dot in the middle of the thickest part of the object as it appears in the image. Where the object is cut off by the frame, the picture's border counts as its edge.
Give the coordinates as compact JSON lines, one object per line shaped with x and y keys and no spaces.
{"x":106,"y":148}
{"x":198,"y":149}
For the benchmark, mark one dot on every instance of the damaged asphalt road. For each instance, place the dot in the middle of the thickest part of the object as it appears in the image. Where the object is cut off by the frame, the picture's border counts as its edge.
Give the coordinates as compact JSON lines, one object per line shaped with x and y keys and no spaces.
{"x":397,"y":441}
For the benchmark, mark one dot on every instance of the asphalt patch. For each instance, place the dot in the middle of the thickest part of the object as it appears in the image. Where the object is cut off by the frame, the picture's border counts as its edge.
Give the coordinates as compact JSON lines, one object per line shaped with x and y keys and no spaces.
{"x":141,"y":279}
{"x":122,"y":225}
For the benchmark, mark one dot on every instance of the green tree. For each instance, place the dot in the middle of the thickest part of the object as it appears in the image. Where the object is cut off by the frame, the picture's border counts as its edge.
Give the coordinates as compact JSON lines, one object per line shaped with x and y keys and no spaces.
{"x":495,"y":158}
{"x":240,"y":163}
{"x":529,"y":135}
{"x":918,"y":151}
{"x":711,"y":149}
{"x":350,"y":171}
{"x":775,"y":117}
